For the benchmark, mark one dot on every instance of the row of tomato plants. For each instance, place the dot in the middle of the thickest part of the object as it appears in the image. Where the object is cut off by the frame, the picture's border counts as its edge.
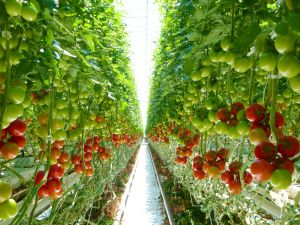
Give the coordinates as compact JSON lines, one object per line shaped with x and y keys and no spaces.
{"x":67,"y":98}
{"x":225,"y":89}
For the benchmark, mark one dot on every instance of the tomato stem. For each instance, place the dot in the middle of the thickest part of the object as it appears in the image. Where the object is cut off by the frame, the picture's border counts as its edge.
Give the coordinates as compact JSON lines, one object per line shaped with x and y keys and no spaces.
{"x":273,"y":109}
{"x":251,"y":88}
{"x":232,"y":19}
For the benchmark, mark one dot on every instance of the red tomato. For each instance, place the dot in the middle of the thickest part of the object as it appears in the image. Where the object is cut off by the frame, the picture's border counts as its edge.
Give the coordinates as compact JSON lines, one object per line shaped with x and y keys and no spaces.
{"x":261,"y":169}
{"x":255,"y":113}
{"x":188,"y":152}
{"x":54,"y":153}
{"x":279,"y":120}
{"x":88,"y":156}
{"x":221,"y":164}
{"x":283,"y":163}
{"x":235,"y":187}
{"x":76,"y":159}
{"x":227,"y":177}
{"x":205,"y":166}
{"x":211,"y":155}
{"x":247,"y":178}
{"x":9,"y":150}
{"x":54,"y":185}
{"x":199,"y":174}
{"x":58,"y":144}
{"x":265,"y":150}
{"x":288,"y":146}
{"x":17,"y":128}
{"x":19,"y":140}
{"x":64,"y":157}
{"x":88,"y":148}
{"x":3,"y":134}
{"x":98,"y":119}
{"x":79,"y":169}
{"x":95,"y":147}
{"x":43,"y":191}
{"x":88,"y":165}
{"x":89,"y":172}
{"x":56,"y":195}
{"x":56,"y":171}
{"x":97,"y":139}
{"x":236,"y":107}
{"x":223,"y":153}
{"x":234,"y":167}
{"x":197,"y":163}
{"x":39,"y":177}
{"x":223,"y":114}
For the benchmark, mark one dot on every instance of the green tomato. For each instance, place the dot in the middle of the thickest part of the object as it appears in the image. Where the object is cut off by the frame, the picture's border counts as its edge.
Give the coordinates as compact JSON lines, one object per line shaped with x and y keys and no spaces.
{"x":16,"y":94}
{"x":29,"y":13}
{"x":226,"y":44}
{"x":297,"y":99}
{"x":241,"y":115}
{"x":207,"y":124}
{"x":8,"y":209}
{"x":243,"y":128}
{"x":295,"y":83}
{"x":212,"y":116}
{"x":206,"y":61}
{"x":61,"y":103}
{"x":192,"y":89}
{"x":285,"y":43}
{"x":63,"y":113}
{"x":267,"y":61}
{"x":221,"y":127}
{"x":288,"y":66}
{"x":14,"y":58}
{"x":5,"y":191}
{"x":229,"y":58}
{"x":196,"y":75}
{"x":241,"y":65}
{"x":59,"y":135}
{"x":287,"y":93}
{"x":233,"y":133}
{"x":13,"y":7}
{"x":205,"y":72}
{"x":280,"y":99}
{"x":281,"y":179}
{"x":211,"y":103}
{"x":12,"y":112}
{"x":43,"y":131}
{"x":57,"y":124}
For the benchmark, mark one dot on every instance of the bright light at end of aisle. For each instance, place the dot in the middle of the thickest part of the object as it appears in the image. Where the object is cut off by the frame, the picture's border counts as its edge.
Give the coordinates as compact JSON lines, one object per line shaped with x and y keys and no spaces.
{"x":143,"y":26}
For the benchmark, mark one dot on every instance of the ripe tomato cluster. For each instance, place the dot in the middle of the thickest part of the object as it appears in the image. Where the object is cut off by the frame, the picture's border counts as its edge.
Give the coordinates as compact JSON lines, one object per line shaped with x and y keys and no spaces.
{"x":189,"y":143}
{"x":12,"y":139}
{"x":231,"y":177}
{"x":272,"y":162}
{"x":52,"y":186}
{"x":211,"y":165}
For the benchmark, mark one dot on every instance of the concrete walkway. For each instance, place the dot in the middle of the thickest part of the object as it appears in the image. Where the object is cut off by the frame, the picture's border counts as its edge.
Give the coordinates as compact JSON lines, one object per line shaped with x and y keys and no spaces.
{"x":144,"y":204}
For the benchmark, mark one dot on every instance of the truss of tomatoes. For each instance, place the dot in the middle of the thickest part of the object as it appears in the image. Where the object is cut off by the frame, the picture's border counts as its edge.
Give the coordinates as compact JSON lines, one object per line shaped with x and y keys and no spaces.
{"x":211,"y":165}
{"x":273,"y":162}
{"x":12,"y":139}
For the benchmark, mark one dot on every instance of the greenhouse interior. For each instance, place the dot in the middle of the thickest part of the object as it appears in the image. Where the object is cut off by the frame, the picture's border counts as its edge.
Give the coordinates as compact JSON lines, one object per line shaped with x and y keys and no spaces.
{"x":149,"y":112}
